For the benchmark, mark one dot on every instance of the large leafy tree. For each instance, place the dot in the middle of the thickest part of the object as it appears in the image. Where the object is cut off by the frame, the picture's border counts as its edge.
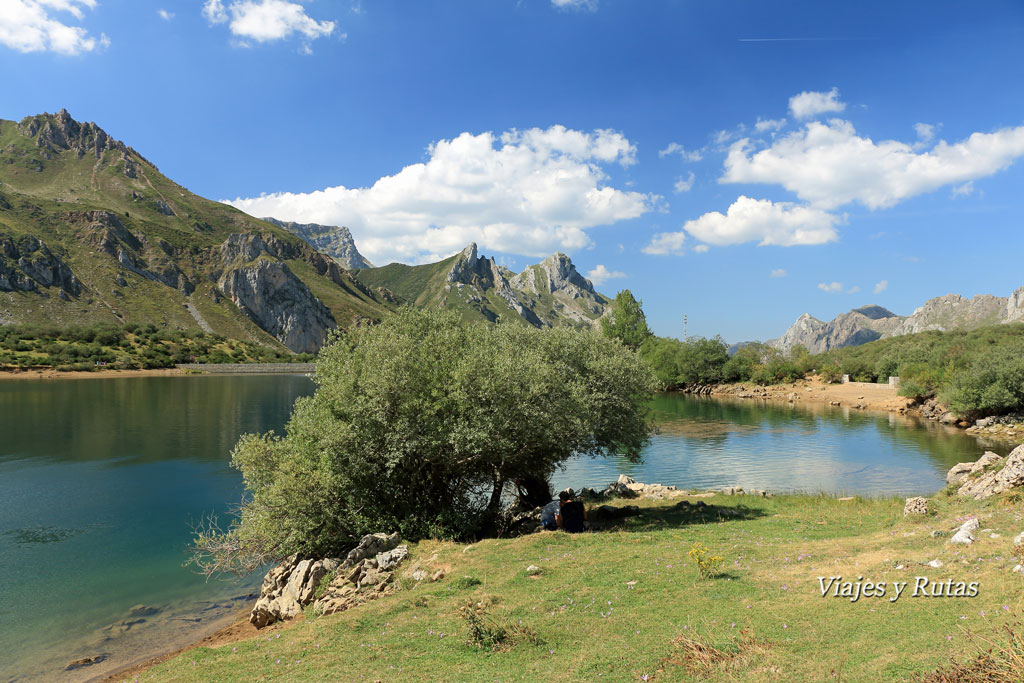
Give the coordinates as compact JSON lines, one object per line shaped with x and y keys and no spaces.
{"x":626,"y":321}
{"x":423,"y":424}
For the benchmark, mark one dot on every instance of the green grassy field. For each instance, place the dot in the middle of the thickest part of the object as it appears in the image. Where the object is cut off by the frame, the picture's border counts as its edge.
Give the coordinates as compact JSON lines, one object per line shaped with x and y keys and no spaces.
{"x":626,"y":603}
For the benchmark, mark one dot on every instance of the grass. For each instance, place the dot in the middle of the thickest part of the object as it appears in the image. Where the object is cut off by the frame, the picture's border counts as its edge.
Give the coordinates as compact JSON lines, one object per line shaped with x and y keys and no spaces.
{"x":627,"y":602}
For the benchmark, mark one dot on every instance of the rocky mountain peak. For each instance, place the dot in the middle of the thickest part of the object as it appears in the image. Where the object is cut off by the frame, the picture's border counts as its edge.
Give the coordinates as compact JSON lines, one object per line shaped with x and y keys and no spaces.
{"x":1015,"y":307}
{"x":56,"y":133}
{"x":334,"y":240}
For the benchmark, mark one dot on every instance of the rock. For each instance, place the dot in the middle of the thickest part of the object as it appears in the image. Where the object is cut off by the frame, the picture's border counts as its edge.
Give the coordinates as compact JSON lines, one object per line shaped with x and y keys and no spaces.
{"x":915,"y":506}
{"x":1019,"y":539}
{"x":85,"y":661}
{"x":948,"y":418}
{"x":964,"y":535}
{"x":375,"y":577}
{"x":935,"y":563}
{"x":996,"y":481}
{"x":390,"y":559}
{"x":533,"y":570}
{"x":438,"y":575}
{"x":732,"y":490}
{"x":757,"y":492}
{"x":280,"y":303}
{"x":369,"y":546}
{"x":1018,"y":569}
{"x":958,"y":472}
{"x":939,"y":533}
{"x":142,"y":611}
{"x":419,"y":575}
{"x":332,"y":240}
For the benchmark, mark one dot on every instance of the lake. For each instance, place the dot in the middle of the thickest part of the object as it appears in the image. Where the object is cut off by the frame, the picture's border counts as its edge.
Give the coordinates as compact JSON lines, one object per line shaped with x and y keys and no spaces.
{"x":101,"y":481}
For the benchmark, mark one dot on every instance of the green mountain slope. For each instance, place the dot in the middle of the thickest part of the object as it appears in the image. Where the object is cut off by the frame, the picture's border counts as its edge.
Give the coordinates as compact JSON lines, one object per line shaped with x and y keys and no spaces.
{"x":547,"y":294}
{"x":91,"y":231}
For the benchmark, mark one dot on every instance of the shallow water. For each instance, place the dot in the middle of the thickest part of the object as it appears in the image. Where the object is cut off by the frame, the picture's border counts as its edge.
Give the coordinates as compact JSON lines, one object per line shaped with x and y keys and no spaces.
{"x":101,"y":480}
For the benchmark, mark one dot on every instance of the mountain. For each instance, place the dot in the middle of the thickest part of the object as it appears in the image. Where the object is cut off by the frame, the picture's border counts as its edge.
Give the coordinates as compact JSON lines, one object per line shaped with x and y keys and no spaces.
{"x":866,"y":324}
{"x":548,"y":294}
{"x":91,"y":231}
{"x":335,"y":241}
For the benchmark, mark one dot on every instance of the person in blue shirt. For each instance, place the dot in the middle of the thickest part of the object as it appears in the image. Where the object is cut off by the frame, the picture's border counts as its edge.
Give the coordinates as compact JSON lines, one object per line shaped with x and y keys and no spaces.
{"x":548,"y":514}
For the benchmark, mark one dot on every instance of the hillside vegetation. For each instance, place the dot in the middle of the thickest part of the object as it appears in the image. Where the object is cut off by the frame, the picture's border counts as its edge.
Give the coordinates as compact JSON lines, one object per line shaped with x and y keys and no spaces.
{"x":92,"y":232}
{"x":127,"y":347}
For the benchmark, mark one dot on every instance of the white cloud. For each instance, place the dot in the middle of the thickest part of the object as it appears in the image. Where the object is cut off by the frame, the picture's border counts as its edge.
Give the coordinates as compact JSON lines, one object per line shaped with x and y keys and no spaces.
{"x":165,"y":15}
{"x":853,"y":290}
{"x":831,"y":287}
{"x":756,"y":220}
{"x":881,"y":286}
{"x":266,"y":20}
{"x":765,"y":125}
{"x":600,"y":275}
{"x":925,"y":132}
{"x":829,"y":165}
{"x":684,"y":185}
{"x":810,"y":103}
{"x":583,"y":5}
{"x":964,"y":190}
{"x":701,"y":249}
{"x":30,"y":26}
{"x":666,"y":243}
{"x":779,"y":272}
{"x":676,"y":148}
{"x":526,"y":192}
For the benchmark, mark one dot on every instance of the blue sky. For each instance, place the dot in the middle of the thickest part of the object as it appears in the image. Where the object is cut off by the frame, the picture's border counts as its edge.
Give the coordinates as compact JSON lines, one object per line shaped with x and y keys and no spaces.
{"x":739,"y":162}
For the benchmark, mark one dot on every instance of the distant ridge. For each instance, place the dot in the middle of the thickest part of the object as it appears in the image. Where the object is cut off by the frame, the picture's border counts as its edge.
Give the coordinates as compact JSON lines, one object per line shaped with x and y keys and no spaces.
{"x":868,"y":323}
{"x":548,"y":294}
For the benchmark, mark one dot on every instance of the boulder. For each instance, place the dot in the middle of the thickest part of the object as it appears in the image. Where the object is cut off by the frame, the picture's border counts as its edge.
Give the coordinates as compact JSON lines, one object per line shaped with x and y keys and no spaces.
{"x":391,"y":559}
{"x":293,"y":584}
{"x":1019,"y":539}
{"x":915,"y":506}
{"x":965,"y":534}
{"x":958,"y":472}
{"x":732,"y":490}
{"x":369,"y":546}
{"x":996,"y":481}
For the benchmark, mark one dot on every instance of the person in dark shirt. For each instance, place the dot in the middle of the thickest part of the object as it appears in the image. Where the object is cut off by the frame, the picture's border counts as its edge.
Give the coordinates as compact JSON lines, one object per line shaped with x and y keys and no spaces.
{"x":572,"y":516}
{"x":548,"y":514}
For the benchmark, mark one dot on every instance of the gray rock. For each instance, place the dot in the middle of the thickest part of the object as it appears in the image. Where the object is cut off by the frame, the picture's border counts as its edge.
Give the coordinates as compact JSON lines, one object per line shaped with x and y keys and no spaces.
{"x":965,"y":534}
{"x":335,"y":241}
{"x":958,"y":472}
{"x":997,"y":481}
{"x":935,"y":563}
{"x":280,"y":303}
{"x":1019,"y":539}
{"x":369,"y":546}
{"x":392,"y":558}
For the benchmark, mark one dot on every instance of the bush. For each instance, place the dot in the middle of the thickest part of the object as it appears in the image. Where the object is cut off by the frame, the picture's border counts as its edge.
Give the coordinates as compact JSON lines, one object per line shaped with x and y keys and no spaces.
{"x":434,"y":421}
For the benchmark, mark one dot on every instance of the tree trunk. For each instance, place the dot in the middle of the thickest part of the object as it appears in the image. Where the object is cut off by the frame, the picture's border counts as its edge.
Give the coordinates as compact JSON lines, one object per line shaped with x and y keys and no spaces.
{"x":494,"y":505}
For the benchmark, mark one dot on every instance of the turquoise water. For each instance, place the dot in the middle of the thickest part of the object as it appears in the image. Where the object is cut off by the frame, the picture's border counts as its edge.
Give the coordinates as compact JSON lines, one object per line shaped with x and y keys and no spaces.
{"x":101,"y":480}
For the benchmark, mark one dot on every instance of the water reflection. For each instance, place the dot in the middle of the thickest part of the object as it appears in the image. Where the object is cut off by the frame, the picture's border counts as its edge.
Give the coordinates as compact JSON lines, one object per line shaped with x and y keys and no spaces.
{"x":708,"y":442}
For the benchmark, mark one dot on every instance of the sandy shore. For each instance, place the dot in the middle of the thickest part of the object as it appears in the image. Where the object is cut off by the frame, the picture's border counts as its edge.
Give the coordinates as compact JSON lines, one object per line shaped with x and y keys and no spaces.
{"x":96,"y":374}
{"x":860,"y":395}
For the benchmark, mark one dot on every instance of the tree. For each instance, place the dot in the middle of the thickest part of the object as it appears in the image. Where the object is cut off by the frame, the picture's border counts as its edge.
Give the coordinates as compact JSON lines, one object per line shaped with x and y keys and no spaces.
{"x":626,"y":321}
{"x":423,"y":424}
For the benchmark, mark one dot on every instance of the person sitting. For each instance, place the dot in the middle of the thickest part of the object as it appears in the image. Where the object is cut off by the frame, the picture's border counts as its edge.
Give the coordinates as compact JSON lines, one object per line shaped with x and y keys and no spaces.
{"x":572,"y":516}
{"x":548,"y":514}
